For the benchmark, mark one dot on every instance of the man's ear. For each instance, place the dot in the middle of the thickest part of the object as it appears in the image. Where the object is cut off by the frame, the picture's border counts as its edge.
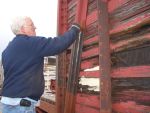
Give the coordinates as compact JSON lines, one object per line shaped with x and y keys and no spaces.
{"x":22,"y":30}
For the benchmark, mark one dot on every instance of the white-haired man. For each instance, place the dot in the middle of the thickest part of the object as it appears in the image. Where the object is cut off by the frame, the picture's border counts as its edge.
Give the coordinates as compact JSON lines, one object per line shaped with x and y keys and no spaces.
{"x":23,"y":64}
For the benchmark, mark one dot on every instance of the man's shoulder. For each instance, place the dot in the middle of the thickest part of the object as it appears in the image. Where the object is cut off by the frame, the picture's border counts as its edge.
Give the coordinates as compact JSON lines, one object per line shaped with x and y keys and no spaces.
{"x":36,"y":37}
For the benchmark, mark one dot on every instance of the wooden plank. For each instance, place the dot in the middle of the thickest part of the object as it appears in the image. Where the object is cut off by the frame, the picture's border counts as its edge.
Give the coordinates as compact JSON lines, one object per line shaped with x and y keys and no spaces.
{"x":130,"y":107}
{"x":88,"y":100}
{"x":91,"y":30}
{"x":91,"y":18}
{"x":90,"y":63}
{"x":120,"y":45}
{"x":137,"y":56}
{"x":91,"y":41}
{"x":114,"y":4}
{"x":129,"y":10}
{"x":131,"y":25}
{"x":133,"y":41}
{"x":141,"y":97}
{"x":87,"y":103}
{"x":47,"y":107}
{"x":134,"y":71}
{"x":85,"y":109}
{"x":122,"y":72}
{"x":131,"y":94}
{"x":38,"y":110}
{"x":91,"y":6}
{"x":95,"y":74}
{"x":90,"y":53}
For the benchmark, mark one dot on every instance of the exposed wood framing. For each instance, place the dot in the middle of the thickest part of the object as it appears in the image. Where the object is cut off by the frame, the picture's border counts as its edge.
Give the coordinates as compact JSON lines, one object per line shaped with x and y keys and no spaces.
{"x":71,"y":89}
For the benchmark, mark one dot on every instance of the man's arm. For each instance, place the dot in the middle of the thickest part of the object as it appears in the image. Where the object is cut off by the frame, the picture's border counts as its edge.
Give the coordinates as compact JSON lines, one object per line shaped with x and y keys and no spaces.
{"x":54,"y":46}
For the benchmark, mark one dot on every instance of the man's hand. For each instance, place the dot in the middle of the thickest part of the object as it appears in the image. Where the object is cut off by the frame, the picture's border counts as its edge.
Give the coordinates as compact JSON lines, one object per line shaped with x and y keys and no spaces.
{"x":76,"y":26}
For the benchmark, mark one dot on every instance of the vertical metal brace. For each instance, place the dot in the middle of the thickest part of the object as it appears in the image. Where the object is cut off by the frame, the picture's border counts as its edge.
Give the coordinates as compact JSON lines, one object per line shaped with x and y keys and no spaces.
{"x":104,"y":57}
{"x":61,"y":59}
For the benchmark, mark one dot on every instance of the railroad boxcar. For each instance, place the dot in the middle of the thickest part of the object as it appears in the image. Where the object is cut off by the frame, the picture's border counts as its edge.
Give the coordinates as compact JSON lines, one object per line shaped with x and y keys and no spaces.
{"x":114,"y":71}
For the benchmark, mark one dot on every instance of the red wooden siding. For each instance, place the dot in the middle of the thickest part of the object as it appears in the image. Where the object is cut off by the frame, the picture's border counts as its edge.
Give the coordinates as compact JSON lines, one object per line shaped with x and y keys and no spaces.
{"x":129,"y":40}
{"x":129,"y":36}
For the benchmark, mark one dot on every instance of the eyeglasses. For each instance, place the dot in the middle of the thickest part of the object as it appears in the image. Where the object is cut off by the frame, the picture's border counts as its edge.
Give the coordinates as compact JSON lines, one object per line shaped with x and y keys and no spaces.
{"x":32,"y":25}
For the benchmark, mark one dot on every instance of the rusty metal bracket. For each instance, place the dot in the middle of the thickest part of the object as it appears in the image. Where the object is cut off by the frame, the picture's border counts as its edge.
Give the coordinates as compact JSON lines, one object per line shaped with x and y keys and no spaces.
{"x":61,"y":59}
{"x":104,"y":57}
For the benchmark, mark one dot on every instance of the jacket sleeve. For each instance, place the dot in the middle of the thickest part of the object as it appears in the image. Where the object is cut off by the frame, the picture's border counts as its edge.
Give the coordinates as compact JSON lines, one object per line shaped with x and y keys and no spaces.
{"x":54,"y":46}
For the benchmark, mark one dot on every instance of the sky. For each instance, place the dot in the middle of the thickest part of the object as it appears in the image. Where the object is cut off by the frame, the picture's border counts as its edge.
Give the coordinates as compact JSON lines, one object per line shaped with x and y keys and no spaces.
{"x":42,"y":12}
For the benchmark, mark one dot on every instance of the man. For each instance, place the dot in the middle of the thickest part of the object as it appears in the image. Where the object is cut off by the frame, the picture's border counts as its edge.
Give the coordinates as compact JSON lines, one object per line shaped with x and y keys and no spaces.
{"x":23,"y":64}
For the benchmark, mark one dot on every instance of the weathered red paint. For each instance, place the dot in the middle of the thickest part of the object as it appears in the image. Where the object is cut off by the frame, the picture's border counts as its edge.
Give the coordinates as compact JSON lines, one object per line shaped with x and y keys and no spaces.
{"x":61,"y":69}
{"x":124,"y":72}
{"x":134,"y":95}
{"x":90,"y":63}
{"x":131,"y":24}
{"x":88,"y":100}
{"x":71,"y":88}
{"x":90,"y":74}
{"x":85,"y":109}
{"x":129,"y":10}
{"x":129,"y":43}
{"x":62,"y":26}
{"x":90,"y":53}
{"x":91,"y":18}
{"x":130,"y":107}
{"x":104,"y":57}
{"x":91,"y":40}
{"x":120,"y":44}
{"x":136,"y":71}
{"x":72,"y":4}
{"x":114,"y":4}
{"x":129,"y":28}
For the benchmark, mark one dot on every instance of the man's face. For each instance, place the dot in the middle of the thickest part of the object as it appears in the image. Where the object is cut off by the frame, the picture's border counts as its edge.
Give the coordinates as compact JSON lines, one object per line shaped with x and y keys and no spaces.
{"x":28,"y":28}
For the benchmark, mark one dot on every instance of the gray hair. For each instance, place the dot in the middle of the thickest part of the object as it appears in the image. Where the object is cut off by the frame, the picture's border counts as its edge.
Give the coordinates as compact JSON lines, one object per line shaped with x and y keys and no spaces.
{"x":17,"y":23}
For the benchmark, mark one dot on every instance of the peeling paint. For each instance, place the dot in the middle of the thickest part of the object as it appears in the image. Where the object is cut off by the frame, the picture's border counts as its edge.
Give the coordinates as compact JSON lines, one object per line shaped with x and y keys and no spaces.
{"x":91,"y":83}
{"x":92,"y":69}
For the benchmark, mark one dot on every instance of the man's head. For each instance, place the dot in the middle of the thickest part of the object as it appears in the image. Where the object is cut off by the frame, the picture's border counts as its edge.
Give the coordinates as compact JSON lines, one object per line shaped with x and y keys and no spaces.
{"x":23,"y":25}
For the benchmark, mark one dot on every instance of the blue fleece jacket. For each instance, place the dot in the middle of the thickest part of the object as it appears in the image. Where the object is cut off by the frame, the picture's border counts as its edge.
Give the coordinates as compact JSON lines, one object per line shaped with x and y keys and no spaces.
{"x":23,"y":63}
